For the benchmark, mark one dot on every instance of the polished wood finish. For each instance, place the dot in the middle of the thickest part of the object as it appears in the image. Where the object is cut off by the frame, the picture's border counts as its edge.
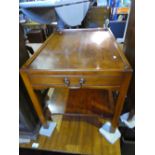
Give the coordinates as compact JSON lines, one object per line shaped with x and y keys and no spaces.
{"x":54,"y":81}
{"x":89,"y":102}
{"x":80,"y":50}
{"x":121,"y":98}
{"x":78,"y":135}
{"x":79,"y":58}
{"x":34,"y":98}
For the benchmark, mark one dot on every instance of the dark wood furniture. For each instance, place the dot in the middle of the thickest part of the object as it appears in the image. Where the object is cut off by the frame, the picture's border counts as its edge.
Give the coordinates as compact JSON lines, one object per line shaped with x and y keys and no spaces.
{"x":96,"y":17}
{"x":129,"y":49}
{"x":36,"y":36}
{"x":77,"y":59}
{"x":28,"y":120}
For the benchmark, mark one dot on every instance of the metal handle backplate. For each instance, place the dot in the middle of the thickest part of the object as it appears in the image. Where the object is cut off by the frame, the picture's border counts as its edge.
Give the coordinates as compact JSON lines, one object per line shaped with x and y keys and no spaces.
{"x":67,"y":83}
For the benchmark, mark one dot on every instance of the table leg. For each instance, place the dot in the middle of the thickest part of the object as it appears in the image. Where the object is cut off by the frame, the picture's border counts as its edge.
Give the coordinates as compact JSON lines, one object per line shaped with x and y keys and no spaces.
{"x":34,"y":98}
{"x":120,"y":100}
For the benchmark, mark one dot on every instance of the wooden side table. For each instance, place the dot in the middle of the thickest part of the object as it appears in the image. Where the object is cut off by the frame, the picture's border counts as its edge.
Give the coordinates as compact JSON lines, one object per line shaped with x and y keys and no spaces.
{"x":79,"y":59}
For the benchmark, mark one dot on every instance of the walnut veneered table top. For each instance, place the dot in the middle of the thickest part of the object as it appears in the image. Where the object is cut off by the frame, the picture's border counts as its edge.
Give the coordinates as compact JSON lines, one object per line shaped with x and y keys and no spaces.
{"x":79,"y":50}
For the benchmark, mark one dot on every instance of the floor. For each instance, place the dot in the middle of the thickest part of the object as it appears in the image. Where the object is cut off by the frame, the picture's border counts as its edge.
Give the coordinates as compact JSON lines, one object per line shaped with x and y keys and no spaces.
{"x":78,"y":135}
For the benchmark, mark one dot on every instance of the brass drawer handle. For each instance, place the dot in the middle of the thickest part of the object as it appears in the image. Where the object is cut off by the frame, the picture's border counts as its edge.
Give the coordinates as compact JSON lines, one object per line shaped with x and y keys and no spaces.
{"x":82,"y":81}
{"x":67,"y":83}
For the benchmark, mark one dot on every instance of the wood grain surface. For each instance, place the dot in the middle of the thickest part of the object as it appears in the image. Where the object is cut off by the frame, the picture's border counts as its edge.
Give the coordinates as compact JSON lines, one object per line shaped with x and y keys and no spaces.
{"x":80,"y":49}
{"x":83,"y":102}
{"x":77,"y":135}
{"x":75,"y":59}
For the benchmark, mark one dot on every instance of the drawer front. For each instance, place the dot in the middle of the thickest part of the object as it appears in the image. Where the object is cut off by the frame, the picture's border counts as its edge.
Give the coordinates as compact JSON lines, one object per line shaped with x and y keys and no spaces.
{"x":76,"y":81}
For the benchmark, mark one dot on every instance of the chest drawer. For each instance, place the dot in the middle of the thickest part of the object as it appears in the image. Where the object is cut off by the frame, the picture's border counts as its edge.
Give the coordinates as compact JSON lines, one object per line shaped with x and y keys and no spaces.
{"x":76,"y":81}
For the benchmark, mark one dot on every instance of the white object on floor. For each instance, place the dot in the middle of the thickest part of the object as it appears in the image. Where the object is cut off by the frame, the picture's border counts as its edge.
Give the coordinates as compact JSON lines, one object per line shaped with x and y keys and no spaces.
{"x":131,"y":123}
{"x":110,"y":137}
{"x":35,"y":145}
{"x":48,"y":132}
{"x":35,"y":46}
{"x":24,"y":140}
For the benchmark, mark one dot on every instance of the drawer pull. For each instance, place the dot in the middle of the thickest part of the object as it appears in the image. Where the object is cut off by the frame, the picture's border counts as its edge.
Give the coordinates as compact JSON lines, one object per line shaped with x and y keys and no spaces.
{"x":67,"y":83}
{"x":82,"y":81}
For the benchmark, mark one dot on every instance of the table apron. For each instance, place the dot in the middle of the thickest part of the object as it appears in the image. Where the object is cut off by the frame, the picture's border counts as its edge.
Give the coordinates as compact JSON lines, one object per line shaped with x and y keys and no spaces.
{"x":74,"y":82}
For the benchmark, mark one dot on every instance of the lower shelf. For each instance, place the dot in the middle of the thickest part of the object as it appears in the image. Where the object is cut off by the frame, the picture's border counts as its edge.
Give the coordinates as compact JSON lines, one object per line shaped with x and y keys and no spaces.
{"x":95,"y":102}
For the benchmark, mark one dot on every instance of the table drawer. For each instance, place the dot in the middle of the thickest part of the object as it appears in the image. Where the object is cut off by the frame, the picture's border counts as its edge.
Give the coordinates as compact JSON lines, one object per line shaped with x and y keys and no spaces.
{"x":76,"y":81}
